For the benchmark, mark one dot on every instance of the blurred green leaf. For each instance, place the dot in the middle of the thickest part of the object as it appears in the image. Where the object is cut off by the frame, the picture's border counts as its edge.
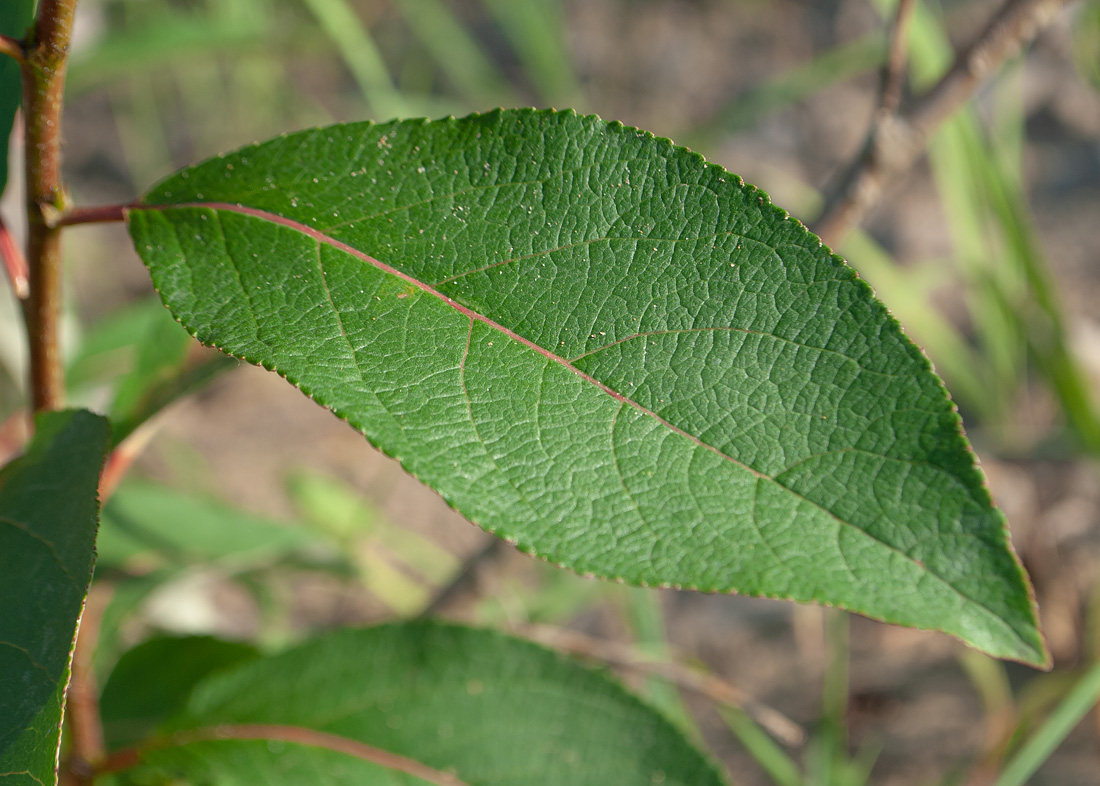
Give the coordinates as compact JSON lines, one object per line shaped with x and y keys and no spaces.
{"x":154,"y":680}
{"x":165,"y":40}
{"x":48,"y":508}
{"x":799,"y":82}
{"x":488,"y":708}
{"x":148,"y":359}
{"x":359,"y":52}
{"x":1080,"y":699}
{"x":156,"y":526}
{"x":764,"y":750}
{"x":397,"y":565}
{"x":16,"y":17}
{"x":458,"y":55}
{"x":536,"y":30}
{"x":1086,"y":42}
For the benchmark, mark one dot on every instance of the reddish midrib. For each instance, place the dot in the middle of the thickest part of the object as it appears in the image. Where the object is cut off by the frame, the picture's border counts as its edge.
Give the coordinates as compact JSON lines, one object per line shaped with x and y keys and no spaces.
{"x":321,"y":237}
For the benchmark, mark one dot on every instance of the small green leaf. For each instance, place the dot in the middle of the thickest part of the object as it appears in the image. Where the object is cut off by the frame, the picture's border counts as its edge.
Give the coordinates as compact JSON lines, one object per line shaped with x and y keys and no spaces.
{"x":488,"y":708}
{"x":48,"y":508}
{"x":605,"y":350}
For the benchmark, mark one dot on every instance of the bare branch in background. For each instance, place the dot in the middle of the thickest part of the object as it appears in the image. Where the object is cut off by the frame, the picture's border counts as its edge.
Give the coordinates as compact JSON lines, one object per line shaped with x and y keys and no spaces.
{"x":701,"y":682}
{"x":893,"y":76}
{"x":898,"y":137}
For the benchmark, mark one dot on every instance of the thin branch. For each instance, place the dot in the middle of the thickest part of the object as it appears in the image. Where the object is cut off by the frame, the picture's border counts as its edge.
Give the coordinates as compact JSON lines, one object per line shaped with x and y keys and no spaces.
{"x":898,"y":138}
{"x":11,"y":47}
{"x":464,"y":579}
{"x":43,"y":91}
{"x":893,"y":75}
{"x":14,"y":262}
{"x":697,"y":681}
{"x":293,"y":734}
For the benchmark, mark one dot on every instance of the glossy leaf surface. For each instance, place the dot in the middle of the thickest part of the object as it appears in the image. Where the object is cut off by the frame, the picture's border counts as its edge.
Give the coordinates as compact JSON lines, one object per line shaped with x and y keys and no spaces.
{"x":602,"y":348}
{"x":488,"y":708}
{"x":48,"y":510}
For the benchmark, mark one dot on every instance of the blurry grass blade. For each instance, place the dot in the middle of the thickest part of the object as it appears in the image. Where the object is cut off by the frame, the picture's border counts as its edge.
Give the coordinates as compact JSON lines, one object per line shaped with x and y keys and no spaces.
{"x":15,"y":17}
{"x":332,"y":507}
{"x":336,"y":508}
{"x":1086,"y":42}
{"x":646,"y":618}
{"x":135,"y":106}
{"x":168,"y":365}
{"x":384,"y":579}
{"x":1043,"y":323}
{"x":1065,"y":717}
{"x":457,"y":54}
{"x":856,"y":771}
{"x":557,"y":598}
{"x":164,"y":527}
{"x":990,"y":680}
{"x":106,"y":349}
{"x":803,"y":80}
{"x":385,"y":554}
{"x":153,"y":359}
{"x":767,"y":753}
{"x":1013,"y":300}
{"x":1000,"y":340}
{"x":153,"y":47}
{"x":360,"y":55}
{"x":536,"y":30}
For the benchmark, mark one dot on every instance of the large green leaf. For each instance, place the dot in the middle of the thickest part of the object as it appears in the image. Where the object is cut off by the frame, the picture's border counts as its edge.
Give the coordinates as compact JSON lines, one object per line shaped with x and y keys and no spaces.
{"x":48,"y":508}
{"x":488,"y":708}
{"x":605,"y":350}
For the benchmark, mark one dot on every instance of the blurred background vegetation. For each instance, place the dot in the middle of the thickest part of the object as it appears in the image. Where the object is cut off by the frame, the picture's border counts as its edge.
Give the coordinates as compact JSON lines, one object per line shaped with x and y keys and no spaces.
{"x":986,"y":253}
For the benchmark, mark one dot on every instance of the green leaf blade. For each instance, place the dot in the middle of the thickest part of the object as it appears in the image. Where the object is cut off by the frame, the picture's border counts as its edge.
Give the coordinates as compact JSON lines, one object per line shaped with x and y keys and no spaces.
{"x":48,"y":513}
{"x":604,"y":349}
{"x":487,"y":707}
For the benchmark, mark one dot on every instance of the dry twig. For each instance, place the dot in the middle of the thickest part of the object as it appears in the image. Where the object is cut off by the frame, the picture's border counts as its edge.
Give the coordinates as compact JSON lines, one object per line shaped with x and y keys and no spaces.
{"x":898,"y":137}
{"x":697,"y":681}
